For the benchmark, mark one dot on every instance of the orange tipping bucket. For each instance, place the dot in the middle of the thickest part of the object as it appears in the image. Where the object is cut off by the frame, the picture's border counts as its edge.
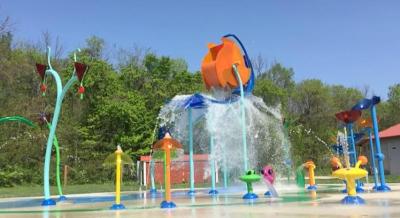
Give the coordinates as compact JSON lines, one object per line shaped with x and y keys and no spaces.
{"x":216,"y":68}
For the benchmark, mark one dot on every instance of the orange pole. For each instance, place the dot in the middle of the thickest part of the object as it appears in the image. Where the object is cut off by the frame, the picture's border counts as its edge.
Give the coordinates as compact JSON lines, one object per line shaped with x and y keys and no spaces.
{"x":168,"y":174}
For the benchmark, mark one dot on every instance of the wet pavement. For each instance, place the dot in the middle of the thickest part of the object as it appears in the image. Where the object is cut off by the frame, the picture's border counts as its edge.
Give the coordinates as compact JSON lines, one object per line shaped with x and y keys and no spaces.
{"x":291,"y":203}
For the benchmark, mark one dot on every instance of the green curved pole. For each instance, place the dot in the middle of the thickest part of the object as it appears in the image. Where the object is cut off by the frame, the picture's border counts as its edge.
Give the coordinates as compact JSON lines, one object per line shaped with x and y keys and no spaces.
{"x":58,"y":162}
{"x":17,"y":118}
{"x":55,"y":142}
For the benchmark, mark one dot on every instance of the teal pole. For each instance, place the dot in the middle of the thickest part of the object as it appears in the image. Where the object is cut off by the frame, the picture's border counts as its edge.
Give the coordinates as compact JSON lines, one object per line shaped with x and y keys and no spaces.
{"x":153,"y":185}
{"x":225,"y":169}
{"x":213,"y":191}
{"x":191,"y":162}
{"x":60,"y":96}
{"x":243,"y":117}
{"x":383,"y":187}
{"x":46,"y":178}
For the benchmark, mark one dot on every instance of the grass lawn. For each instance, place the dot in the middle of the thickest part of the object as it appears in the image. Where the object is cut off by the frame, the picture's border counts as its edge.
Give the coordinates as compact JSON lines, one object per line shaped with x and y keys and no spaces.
{"x":37,"y":190}
{"x":31,"y":190}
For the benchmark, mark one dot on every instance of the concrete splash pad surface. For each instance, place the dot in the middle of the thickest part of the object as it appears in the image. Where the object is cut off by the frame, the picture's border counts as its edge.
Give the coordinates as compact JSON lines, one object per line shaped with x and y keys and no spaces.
{"x":324,"y":203}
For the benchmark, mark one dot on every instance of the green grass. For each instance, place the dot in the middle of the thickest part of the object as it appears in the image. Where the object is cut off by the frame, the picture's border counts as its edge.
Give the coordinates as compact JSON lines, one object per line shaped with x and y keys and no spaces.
{"x":31,"y":190}
{"x":37,"y":190}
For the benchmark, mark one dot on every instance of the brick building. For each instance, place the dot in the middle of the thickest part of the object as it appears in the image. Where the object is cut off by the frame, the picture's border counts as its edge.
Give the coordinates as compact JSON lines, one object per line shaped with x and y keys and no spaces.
{"x":180,"y":170}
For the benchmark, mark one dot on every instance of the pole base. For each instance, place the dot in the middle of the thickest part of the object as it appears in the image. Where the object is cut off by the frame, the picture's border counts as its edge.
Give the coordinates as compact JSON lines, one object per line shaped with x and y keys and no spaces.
{"x":117,"y":207}
{"x":344,"y":191}
{"x":268,"y":194}
{"x":153,"y":191}
{"x":167,"y":204}
{"x":191,"y":192}
{"x":213,"y":192}
{"x":250,"y":196}
{"x":48,"y":202}
{"x":383,"y":188}
{"x":62,"y":198}
{"x":359,"y":189}
{"x":353,"y":200}
{"x":312,"y":187}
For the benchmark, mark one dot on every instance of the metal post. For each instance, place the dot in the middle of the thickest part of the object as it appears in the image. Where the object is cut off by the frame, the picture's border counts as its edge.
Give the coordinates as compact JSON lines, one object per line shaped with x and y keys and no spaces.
{"x":152,"y":169}
{"x":213,"y":191}
{"x":372,"y":154}
{"x":191,"y":162}
{"x":225,"y":170}
{"x":145,"y":174}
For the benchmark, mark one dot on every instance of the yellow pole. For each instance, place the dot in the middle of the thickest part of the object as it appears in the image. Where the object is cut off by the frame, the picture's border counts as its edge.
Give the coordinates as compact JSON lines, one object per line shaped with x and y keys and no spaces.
{"x":168,"y":174}
{"x":311,"y":174}
{"x":118,"y":153}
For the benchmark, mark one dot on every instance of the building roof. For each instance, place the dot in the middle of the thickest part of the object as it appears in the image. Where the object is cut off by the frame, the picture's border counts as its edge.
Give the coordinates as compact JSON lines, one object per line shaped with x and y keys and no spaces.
{"x":393,"y":131}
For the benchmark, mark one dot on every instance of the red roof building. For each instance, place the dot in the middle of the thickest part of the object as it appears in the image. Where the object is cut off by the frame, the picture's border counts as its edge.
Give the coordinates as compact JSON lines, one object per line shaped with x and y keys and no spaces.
{"x":180,"y":170}
{"x":393,"y":131}
{"x":390,"y":146}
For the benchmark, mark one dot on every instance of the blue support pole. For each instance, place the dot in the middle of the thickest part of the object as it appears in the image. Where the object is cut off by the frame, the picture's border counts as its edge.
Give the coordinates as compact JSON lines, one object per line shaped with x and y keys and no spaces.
{"x":191,"y":162}
{"x":372,"y":154}
{"x":213,"y":190}
{"x":379,"y":155}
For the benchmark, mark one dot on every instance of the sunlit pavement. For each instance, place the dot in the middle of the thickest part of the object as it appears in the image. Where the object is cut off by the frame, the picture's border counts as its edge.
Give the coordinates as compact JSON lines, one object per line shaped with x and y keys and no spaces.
{"x":291,"y":203}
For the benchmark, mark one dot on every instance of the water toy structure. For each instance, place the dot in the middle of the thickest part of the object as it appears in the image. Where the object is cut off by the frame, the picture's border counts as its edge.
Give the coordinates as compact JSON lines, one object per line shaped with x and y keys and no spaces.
{"x":77,"y":76}
{"x":366,"y":127}
{"x":249,"y":178}
{"x":310,"y":166}
{"x":350,"y":174}
{"x":300,"y":175}
{"x":167,"y":145}
{"x":225,"y":66}
{"x":268,"y":175}
{"x":228,"y":122}
{"x":349,"y":118}
{"x":44,"y":119}
{"x":370,"y":104}
{"x":118,"y":158}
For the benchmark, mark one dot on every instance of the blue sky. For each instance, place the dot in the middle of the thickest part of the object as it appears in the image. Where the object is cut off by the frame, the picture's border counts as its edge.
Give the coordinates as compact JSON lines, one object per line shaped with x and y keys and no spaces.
{"x":349,"y":42}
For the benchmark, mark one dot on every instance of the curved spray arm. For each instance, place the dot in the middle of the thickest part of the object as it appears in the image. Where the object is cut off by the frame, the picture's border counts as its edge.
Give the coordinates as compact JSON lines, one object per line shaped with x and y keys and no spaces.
{"x":248,"y":88}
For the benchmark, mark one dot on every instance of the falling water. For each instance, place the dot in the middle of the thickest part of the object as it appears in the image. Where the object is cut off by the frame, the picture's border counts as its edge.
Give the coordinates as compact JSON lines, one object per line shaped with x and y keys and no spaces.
{"x":265,"y":137}
{"x":341,"y":140}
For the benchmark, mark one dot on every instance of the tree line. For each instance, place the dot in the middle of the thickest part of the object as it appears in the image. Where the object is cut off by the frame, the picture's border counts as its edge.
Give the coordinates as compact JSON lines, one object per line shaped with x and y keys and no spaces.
{"x":122,"y":101}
